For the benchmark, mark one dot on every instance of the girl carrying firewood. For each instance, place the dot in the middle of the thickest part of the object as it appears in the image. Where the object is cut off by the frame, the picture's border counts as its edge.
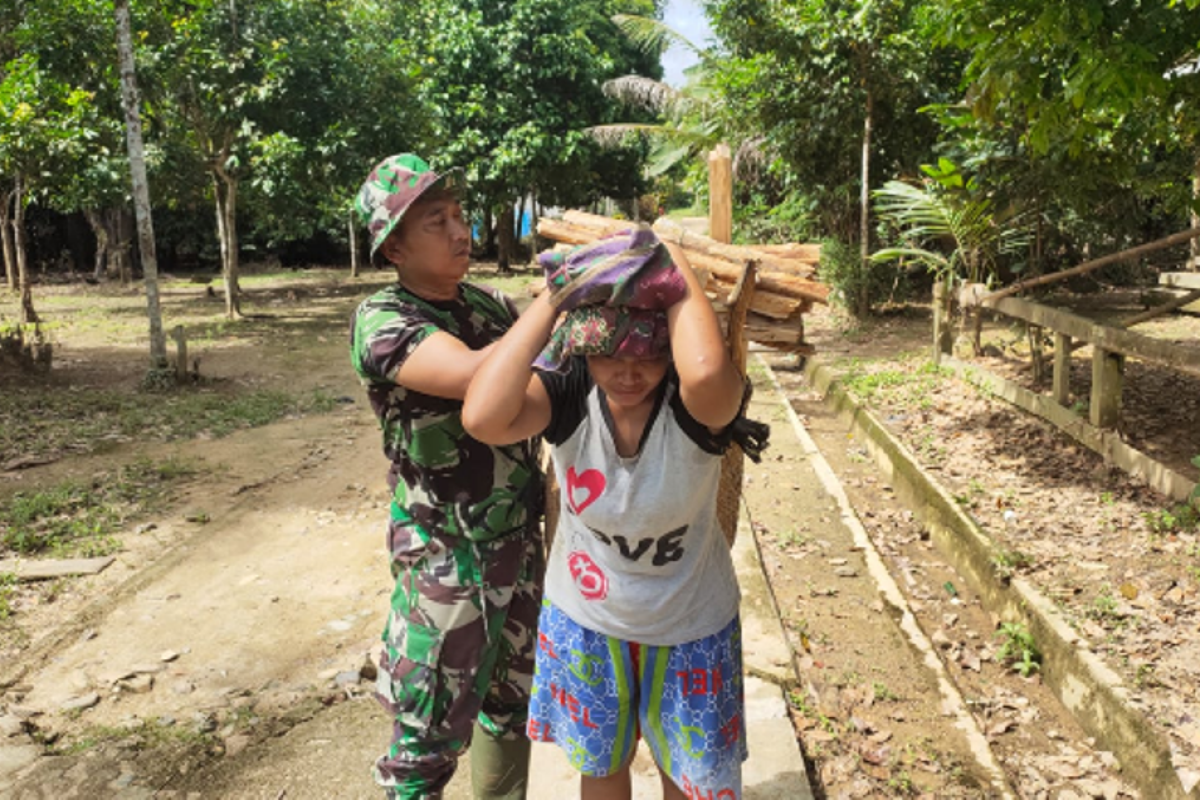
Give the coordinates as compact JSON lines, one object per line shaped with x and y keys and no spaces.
{"x":621,"y":366}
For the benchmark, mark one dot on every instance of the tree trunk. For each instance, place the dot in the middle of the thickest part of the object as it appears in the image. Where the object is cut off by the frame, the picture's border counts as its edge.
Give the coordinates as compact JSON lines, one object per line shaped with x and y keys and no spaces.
{"x":352,"y":235}
{"x":96,"y":220}
{"x":6,"y":241}
{"x":1194,"y":249}
{"x":863,"y":304}
{"x":225,"y":190}
{"x":489,"y":232}
{"x":121,"y":239}
{"x":141,"y":190}
{"x":28,"y":315}
{"x":535,"y":214}
{"x":505,"y":224}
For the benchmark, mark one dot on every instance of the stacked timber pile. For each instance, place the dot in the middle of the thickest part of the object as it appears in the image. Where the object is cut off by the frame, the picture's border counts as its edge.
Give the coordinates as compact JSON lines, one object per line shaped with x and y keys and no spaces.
{"x":784,"y":276}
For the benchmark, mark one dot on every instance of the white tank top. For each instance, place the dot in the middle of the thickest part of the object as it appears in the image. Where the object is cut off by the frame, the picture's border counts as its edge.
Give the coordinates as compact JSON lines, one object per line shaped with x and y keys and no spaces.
{"x":638,"y":553}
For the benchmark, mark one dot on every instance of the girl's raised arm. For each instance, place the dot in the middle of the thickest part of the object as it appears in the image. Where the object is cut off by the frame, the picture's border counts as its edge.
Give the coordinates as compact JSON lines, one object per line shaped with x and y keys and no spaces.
{"x":505,"y":401}
{"x":709,"y":384}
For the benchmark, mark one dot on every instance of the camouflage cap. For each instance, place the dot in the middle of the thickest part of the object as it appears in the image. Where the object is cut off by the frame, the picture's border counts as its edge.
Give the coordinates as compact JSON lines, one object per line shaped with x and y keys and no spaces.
{"x":393,"y":186}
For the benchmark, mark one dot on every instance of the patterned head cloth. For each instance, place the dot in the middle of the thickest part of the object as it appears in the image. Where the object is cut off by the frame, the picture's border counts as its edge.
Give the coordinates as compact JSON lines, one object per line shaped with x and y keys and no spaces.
{"x":606,"y":331}
{"x":630,"y":269}
{"x":393,"y":186}
{"x":616,"y":292}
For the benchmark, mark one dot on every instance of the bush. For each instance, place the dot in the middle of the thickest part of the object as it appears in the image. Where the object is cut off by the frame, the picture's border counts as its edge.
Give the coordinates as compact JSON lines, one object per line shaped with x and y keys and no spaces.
{"x":859,"y":286}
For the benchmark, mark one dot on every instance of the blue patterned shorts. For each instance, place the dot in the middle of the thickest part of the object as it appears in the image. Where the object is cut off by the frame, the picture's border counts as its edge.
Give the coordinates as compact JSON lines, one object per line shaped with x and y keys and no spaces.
{"x":594,"y":695}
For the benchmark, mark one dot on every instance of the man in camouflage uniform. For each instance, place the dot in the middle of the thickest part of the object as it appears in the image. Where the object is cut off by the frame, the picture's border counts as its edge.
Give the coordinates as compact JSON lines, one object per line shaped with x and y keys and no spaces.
{"x":459,"y":642}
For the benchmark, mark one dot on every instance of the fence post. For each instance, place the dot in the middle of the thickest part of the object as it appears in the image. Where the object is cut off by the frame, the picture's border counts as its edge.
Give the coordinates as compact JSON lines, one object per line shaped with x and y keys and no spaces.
{"x":1062,"y":368}
{"x":942,"y":342}
{"x":1107,"y":371}
{"x":720,"y":194}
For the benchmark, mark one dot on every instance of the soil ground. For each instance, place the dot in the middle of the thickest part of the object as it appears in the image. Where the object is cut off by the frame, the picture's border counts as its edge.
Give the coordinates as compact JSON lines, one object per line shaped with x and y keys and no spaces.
{"x":241,"y":617}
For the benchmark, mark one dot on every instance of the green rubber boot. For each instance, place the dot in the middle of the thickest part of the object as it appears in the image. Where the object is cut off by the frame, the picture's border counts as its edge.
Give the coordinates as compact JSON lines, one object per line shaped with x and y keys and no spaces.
{"x":499,"y":767}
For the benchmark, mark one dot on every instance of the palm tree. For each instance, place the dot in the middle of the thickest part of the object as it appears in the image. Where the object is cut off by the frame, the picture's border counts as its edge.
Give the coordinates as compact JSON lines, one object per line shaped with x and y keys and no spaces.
{"x":692,"y":116}
{"x":947,"y":225}
{"x":955,"y":236}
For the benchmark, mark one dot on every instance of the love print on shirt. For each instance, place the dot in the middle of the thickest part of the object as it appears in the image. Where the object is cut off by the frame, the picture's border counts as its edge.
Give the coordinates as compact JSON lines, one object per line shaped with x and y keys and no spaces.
{"x":667,"y":548}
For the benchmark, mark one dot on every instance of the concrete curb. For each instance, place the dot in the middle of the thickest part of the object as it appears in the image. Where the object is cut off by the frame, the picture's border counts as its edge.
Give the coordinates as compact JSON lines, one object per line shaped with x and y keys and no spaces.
{"x":951,"y":699}
{"x":1086,"y":686}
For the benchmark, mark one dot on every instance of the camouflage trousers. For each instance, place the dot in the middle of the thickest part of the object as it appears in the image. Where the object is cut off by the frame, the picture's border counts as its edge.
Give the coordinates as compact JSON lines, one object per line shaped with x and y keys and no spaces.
{"x":459,"y":647}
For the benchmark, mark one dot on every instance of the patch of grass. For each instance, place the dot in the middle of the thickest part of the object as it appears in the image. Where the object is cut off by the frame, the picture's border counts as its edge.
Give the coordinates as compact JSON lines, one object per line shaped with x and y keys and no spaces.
{"x":791,"y":538}
{"x":8,"y":587}
{"x":798,"y":699}
{"x":902,"y":785}
{"x":515,"y":285}
{"x":1006,"y":562}
{"x":42,"y":423}
{"x":149,"y":735}
{"x":1106,"y":610}
{"x":1144,"y":676}
{"x":907,"y":383}
{"x":882,"y":693}
{"x":1182,"y":518}
{"x":81,"y":519}
{"x":1018,"y":649}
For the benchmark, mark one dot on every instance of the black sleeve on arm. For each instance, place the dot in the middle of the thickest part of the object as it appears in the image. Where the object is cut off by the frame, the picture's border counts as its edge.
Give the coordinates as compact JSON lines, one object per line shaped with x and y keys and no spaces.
{"x":568,"y":393}
{"x":750,"y":435}
{"x":698,"y":432}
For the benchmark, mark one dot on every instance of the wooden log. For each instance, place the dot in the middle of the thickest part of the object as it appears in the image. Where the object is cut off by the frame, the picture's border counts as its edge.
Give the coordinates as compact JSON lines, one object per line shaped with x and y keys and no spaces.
{"x":789,"y":256}
{"x":1062,"y":368}
{"x":808,"y":253}
{"x":575,"y":226}
{"x":785,"y":285}
{"x":566,"y":232}
{"x":1096,"y":263}
{"x":669,"y":229}
{"x":730,"y":487}
{"x":718,"y":264}
{"x":769,"y":305}
{"x":788,"y":266}
{"x":790,"y":259}
{"x":604,"y":226}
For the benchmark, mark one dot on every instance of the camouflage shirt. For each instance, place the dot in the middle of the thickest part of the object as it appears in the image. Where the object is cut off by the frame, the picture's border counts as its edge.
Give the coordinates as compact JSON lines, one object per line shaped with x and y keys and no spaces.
{"x":444,"y":482}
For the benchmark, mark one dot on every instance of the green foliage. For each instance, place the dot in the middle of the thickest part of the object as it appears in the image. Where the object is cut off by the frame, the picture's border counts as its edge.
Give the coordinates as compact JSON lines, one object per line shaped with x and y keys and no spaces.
{"x":1177,"y":519}
{"x":907,"y":383}
{"x":688,"y":121}
{"x":948,"y":225}
{"x":1081,"y":109}
{"x":1018,"y":649}
{"x":1006,"y":562}
{"x":799,"y":78}
{"x":513,"y":86}
{"x":855,"y":281}
{"x":82,"y":420}
{"x":81,"y":518}
{"x":8,"y":587}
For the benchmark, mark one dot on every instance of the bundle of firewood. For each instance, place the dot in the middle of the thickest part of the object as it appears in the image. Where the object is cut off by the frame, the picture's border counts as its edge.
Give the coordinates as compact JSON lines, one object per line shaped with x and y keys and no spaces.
{"x":785,"y":286}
